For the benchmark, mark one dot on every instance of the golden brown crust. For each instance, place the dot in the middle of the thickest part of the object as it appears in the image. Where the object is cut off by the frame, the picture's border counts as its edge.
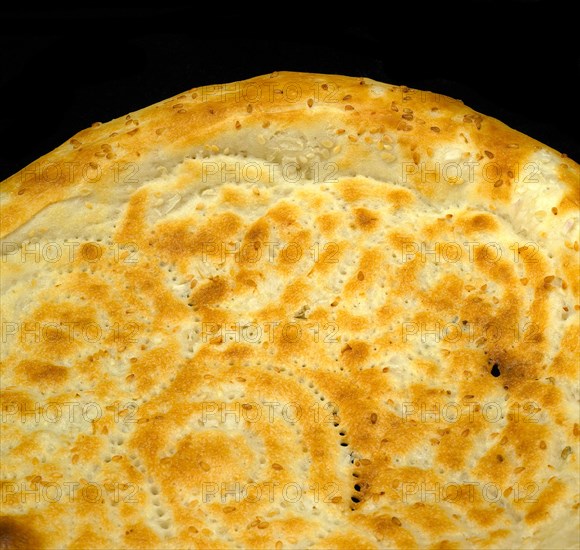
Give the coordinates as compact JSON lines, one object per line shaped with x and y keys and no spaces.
{"x":295,"y":311}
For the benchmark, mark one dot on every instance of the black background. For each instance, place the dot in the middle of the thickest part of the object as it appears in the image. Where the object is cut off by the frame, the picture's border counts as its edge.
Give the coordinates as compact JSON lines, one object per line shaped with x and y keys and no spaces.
{"x":62,"y":70}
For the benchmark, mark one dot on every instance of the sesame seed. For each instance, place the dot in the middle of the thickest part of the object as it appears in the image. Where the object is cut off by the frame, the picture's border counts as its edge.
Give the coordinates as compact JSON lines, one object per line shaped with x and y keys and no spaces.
{"x":435,"y":129}
{"x":348,"y":108}
{"x":310,"y":102}
{"x":566,"y":452}
{"x":374,"y":418}
{"x":346,"y":97}
{"x":238,"y":125}
{"x":396,"y":521}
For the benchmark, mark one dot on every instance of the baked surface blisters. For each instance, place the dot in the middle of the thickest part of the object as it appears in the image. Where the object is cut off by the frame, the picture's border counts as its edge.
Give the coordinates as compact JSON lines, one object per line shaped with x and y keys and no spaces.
{"x":298,"y":311}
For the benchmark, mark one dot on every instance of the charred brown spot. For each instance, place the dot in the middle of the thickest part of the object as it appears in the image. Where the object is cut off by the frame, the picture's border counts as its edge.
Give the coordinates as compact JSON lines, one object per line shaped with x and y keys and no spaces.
{"x":17,"y":535}
{"x":90,"y":252}
{"x":210,"y":293}
{"x":355,"y":354}
{"x":39,"y":371}
{"x":400,"y":198}
{"x":478,"y":223}
{"x":284,"y":214}
{"x":483,"y":222}
{"x":366,"y":219}
{"x":258,"y":232}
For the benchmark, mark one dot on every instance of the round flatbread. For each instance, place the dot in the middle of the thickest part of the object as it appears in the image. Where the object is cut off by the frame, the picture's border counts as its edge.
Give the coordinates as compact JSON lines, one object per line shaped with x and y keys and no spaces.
{"x":297,"y":311}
